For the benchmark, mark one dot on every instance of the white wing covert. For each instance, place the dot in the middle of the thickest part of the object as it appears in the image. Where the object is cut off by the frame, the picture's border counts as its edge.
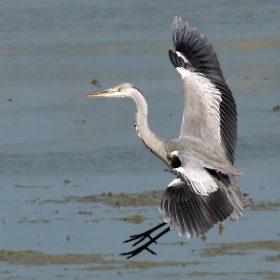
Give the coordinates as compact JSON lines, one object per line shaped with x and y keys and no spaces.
{"x":196,"y":174}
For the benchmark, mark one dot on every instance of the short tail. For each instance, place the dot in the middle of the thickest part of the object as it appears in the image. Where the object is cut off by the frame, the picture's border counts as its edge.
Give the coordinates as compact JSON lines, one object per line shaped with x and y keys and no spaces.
{"x":237,"y":199}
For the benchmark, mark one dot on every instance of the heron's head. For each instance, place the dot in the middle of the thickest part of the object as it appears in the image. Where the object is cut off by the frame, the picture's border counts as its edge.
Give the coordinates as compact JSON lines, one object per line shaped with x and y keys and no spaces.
{"x":123,"y":90}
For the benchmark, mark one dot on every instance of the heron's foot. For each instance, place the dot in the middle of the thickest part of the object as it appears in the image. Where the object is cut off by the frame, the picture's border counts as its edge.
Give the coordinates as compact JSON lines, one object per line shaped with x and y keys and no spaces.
{"x":141,"y":237}
{"x":138,"y":250}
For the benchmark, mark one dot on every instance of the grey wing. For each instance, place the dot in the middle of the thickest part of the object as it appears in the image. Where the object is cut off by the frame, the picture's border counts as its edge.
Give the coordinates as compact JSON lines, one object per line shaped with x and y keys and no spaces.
{"x":198,"y":64}
{"x":201,"y":117}
{"x":191,"y":213}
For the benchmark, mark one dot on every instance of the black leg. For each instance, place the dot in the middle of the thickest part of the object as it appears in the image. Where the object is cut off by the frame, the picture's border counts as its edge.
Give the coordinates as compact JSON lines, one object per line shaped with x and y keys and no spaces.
{"x":144,"y":235}
{"x":141,"y":237}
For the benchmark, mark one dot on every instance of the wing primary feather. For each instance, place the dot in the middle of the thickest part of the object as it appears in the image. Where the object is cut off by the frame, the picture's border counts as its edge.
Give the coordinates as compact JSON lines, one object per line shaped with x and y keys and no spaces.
{"x":187,"y":221}
{"x":172,"y":215}
{"x":179,"y":218}
{"x":191,"y":213}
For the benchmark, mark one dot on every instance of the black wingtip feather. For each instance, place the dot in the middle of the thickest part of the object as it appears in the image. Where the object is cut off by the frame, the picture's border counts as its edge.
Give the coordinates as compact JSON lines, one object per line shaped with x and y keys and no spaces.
{"x":179,"y":60}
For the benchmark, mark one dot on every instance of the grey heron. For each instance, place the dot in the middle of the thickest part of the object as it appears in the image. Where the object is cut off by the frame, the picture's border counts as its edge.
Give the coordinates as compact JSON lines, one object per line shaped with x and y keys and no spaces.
{"x":204,"y":191}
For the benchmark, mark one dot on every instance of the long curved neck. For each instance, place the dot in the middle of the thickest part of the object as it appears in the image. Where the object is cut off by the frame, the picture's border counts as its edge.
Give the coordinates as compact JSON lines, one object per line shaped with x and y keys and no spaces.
{"x":151,"y":140}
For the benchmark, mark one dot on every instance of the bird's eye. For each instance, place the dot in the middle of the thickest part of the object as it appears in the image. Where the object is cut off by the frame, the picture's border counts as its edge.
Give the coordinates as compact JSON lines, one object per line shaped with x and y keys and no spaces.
{"x":119,"y":89}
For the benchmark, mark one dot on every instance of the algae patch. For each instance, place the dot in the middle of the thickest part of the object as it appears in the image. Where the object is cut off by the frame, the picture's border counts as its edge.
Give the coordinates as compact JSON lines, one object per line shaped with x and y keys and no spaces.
{"x":137,"y":265}
{"x":135,"y":219}
{"x":241,"y":248}
{"x":38,"y":258}
{"x":151,"y":198}
{"x":99,"y":262}
{"x":273,"y":258}
{"x":204,"y":274}
{"x":267,"y":274}
{"x":266,"y":206}
{"x":31,"y":186}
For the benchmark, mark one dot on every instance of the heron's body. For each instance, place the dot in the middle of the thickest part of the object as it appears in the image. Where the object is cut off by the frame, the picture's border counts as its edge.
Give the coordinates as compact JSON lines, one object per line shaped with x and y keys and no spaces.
{"x":202,"y":157}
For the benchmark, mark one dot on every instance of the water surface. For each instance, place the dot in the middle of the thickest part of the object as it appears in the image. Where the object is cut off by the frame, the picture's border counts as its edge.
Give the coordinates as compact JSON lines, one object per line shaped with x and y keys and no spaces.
{"x":70,"y":166}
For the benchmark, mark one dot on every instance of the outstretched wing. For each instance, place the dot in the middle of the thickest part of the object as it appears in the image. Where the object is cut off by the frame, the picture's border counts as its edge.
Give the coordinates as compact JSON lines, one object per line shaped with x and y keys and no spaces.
{"x":192,"y":213}
{"x":201,"y":118}
{"x":210,"y":111}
